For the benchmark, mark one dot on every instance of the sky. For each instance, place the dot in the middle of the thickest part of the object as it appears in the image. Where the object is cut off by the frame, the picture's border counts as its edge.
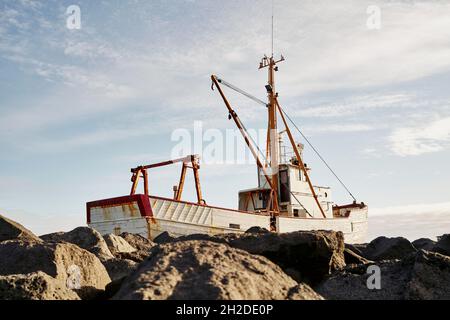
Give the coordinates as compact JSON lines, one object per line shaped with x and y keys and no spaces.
{"x":80,"y":107}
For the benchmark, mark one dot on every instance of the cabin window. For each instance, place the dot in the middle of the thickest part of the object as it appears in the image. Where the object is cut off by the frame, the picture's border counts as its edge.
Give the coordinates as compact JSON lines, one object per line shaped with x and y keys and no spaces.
{"x":296,"y":213}
{"x":235,"y":226}
{"x":262,"y":203}
{"x":285,"y":190}
{"x":326,"y":195}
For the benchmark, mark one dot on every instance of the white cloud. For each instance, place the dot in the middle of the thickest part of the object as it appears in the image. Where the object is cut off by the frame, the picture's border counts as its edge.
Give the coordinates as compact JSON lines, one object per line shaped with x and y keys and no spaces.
{"x":421,"y":138}
{"x":95,"y":137}
{"x":412,"y":209}
{"x":338,"y":128}
{"x":357,"y":104}
{"x":32,"y":4}
{"x":338,"y":51}
{"x":319,"y":58}
{"x":427,"y":220}
{"x":12,"y":18}
{"x":74,"y":76}
{"x":91,"y":50}
{"x":371,"y":152}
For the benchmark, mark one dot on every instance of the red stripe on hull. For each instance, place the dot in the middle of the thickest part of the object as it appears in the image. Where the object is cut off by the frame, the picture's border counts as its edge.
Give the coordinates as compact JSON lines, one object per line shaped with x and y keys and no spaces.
{"x":142,"y":200}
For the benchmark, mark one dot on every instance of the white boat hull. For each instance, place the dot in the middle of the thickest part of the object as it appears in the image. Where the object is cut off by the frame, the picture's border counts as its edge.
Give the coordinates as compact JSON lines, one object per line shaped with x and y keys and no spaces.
{"x":151,"y":216}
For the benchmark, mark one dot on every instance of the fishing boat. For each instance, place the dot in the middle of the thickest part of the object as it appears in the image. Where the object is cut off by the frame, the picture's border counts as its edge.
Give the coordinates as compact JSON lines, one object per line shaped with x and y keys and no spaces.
{"x":284,"y":199}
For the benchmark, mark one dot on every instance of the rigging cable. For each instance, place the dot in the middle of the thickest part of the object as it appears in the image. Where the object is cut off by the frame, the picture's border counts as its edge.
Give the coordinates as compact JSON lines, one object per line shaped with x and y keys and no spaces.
{"x":248,"y":95}
{"x":318,"y":154}
{"x":292,"y":193}
{"x":261,"y":154}
{"x":266,"y":161}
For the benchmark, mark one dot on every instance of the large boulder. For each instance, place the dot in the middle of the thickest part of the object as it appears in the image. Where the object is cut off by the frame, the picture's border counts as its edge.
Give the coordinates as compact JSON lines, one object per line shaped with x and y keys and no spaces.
{"x":142,"y":245}
{"x":443,"y":245}
{"x":353,"y":258}
{"x":84,"y":237}
{"x":383,"y":248}
{"x":424,"y":244}
{"x":302,"y":291}
{"x":357,"y":248}
{"x":430,"y":279}
{"x":307,"y":256}
{"x":352,"y":283}
{"x":11,"y":230}
{"x":137,"y":256}
{"x":117,"y":244}
{"x":164,"y":237}
{"x":424,"y":276}
{"x":257,"y":230}
{"x":78,"y":268}
{"x":119,"y":268}
{"x":34,"y":286}
{"x":137,"y":241}
{"x":206,"y":270}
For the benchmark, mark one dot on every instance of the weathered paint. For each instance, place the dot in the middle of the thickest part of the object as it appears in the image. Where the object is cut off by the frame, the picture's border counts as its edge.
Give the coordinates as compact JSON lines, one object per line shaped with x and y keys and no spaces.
{"x":354,"y":227}
{"x":135,"y":206}
{"x":150,"y":216}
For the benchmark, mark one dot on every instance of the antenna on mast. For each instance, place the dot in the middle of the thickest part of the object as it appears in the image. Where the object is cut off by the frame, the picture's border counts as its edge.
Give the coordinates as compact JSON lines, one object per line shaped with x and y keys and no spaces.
{"x":272,"y":25}
{"x":272,"y":132}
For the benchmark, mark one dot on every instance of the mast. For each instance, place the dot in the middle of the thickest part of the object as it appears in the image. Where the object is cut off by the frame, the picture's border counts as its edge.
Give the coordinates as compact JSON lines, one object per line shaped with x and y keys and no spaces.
{"x":273,"y":147}
{"x":271,"y":167}
{"x":273,"y":143}
{"x":273,"y":136}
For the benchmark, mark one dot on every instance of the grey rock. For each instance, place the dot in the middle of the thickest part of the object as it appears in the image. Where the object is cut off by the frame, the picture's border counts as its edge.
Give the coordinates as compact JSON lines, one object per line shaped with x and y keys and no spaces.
{"x":11,"y":230}
{"x":165,"y":237}
{"x":204,"y":270}
{"x":384,"y":248}
{"x":307,"y":256}
{"x":118,"y":268}
{"x":142,"y":245}
{"x":34,"y":286}
{"x":84,"y":237}
{"x":117,"y":244}
{"x":443,"y":245}
{"x":430,"y":278}
{"x":424,"y":244}
{"x":138,"y":241}
{"x":353,"y":258}
{"x":257,"y":230}
{"x":78,"y":268}
{"x":352,"y":284}
{"x":357,"y":248}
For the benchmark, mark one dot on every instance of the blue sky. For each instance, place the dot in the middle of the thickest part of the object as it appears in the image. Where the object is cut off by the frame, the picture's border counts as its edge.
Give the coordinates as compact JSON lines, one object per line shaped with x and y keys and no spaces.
{"x":79,"y":108}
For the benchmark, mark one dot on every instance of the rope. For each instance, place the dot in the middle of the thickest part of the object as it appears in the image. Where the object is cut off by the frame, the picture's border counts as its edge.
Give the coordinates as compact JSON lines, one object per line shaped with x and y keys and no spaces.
{"x":301,"y":204}
{"x":266,"y":161}
{"x":318,"y":154}
{"x":261,"y":154}
{"x":248,"y":95}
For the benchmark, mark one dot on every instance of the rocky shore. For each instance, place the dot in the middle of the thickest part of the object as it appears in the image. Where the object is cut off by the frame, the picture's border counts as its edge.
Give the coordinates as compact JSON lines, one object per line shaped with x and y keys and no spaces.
{"x":258,"y":265}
